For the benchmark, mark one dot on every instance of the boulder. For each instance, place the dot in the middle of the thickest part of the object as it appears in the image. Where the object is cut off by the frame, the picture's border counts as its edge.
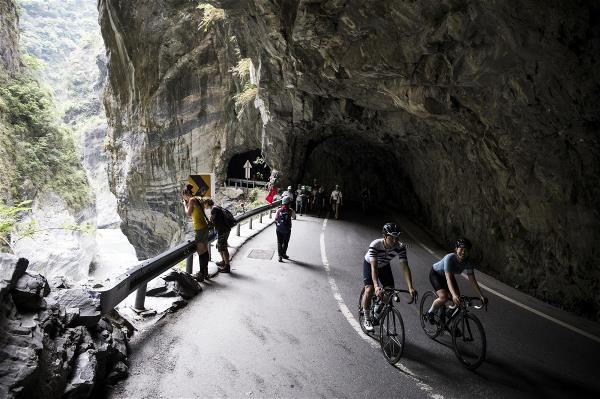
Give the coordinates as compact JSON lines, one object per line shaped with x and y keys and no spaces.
{"x":185,"y":285}
{"x":159,"y":287}
{"x":83,"y":377}
{"x":29,"y":291}
{"x":60,"y":282}
{"x":87,"y":301}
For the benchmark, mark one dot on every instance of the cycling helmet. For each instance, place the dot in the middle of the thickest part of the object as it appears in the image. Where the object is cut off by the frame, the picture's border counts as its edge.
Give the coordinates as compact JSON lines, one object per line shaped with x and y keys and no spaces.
{"x":463,"y":243}
{"x":285,"y":200}
{"x":391,"y":229}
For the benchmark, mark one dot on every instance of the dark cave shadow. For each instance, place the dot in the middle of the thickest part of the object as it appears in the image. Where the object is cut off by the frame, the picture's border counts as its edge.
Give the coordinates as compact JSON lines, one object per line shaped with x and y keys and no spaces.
{"x":534,"y":380}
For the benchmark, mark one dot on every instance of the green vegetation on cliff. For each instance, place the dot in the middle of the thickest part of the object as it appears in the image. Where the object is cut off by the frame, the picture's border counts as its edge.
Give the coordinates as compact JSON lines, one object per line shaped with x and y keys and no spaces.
{"x":36,"y":155}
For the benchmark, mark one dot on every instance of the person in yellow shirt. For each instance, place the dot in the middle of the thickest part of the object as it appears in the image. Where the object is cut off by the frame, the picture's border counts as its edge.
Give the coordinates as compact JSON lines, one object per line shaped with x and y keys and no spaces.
{"x":194,"y":207}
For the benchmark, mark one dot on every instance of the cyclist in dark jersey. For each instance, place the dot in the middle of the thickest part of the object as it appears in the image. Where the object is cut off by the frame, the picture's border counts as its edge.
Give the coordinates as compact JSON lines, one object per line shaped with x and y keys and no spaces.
{"x":377,"y":271}
{"x":442,"y":278}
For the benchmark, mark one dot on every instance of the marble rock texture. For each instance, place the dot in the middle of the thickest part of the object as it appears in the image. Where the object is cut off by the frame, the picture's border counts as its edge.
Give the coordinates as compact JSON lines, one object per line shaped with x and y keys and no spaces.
{"x":44,"y":352}
{"x":473,"y":118}
{"x":9,"y":35}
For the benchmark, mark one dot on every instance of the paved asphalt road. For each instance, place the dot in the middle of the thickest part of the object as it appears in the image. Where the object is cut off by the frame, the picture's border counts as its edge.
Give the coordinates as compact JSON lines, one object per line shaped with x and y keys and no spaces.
{"x":276,"y":330}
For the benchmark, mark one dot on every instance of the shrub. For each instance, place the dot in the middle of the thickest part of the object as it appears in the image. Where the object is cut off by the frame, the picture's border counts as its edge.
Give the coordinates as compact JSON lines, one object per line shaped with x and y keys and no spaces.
{"x":243,"y":99}
{"x":210,"y":15}
{"x":43,"y":154}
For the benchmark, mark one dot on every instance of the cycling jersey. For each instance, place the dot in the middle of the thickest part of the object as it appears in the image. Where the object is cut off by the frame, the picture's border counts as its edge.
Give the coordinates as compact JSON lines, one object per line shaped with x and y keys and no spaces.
{"x":450,"y":263}
{"x":384,"y":256}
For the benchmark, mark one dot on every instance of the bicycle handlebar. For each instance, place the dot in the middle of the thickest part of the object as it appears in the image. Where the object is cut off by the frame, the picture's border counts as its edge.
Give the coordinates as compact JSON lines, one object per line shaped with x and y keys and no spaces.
{"x":393,"y":291}
{"x":468,"y":301}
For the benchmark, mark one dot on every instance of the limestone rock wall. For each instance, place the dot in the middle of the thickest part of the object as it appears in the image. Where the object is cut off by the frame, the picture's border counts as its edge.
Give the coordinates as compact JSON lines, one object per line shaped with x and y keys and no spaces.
{"x":9,"y":35}
{"x":169,"y":110}
{"x":481,"y":118}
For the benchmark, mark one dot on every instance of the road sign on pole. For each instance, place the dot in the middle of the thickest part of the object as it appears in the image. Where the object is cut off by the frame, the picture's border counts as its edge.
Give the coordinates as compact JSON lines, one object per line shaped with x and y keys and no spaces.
{"x":203,"y":184}
{"x":247,"y":167}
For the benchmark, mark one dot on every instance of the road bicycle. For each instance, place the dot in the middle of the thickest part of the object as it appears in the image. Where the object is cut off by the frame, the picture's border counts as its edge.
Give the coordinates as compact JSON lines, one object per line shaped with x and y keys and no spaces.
{"x":389,"y":319}
{"x":468,"y":335}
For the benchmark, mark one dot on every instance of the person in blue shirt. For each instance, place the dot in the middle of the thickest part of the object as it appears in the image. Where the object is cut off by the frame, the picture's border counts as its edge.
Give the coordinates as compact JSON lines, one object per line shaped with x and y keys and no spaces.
{"x":442,"y":274}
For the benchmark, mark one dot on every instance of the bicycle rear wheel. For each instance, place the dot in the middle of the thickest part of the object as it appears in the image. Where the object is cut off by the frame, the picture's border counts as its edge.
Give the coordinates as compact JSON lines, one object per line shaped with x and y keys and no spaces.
{"x":468,"y":338}
{"x":431,"y":329}
{"x":391,"y":335}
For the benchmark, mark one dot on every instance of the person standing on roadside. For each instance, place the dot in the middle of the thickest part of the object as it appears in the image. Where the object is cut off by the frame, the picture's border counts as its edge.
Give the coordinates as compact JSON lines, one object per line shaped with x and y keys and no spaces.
{"x":299,"y":198}
{"x":283,"y":227}
{"x":336,"y":201}
{"x":218,"y":219}
{"x":289,"y":193}
{"x":194,"y":207}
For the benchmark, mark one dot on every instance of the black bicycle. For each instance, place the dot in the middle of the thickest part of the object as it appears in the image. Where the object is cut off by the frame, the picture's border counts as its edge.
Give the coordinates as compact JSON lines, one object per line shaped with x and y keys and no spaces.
{"x":468,"y":335}
{"x":389,"y":319}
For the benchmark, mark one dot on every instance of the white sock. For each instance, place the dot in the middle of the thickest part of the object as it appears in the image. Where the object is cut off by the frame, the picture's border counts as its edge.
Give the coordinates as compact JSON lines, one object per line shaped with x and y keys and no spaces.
{"x":431,"y":309}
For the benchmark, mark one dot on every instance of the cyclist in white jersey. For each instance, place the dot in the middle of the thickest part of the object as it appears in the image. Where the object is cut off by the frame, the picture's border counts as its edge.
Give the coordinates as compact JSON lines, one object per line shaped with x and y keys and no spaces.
{"x":377,"y":272}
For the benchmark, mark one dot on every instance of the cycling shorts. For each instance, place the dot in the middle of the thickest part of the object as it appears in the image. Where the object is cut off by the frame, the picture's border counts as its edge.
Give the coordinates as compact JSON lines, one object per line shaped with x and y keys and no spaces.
{"x":384,"y":275}
{"x":438,"y":281}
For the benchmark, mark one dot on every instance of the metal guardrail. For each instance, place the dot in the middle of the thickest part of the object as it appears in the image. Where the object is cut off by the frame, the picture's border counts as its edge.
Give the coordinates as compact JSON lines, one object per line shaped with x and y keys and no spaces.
{"x":245,"y":183}
{"x":136,"y":277}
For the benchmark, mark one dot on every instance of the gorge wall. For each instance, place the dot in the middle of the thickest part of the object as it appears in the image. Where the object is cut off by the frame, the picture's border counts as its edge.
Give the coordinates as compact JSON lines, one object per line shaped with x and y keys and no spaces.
{"x":475,"y":118}
{"x":39,"y":164}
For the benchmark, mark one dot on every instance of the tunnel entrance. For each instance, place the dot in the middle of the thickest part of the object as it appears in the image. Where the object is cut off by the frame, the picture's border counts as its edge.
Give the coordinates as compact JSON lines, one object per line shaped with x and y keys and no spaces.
{"x":260,"y":170}
{"x":355,"y":164}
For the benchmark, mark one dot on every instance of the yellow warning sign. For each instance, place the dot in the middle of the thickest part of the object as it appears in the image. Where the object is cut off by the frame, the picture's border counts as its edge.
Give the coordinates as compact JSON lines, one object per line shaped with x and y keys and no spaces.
{"x":203,"y":184}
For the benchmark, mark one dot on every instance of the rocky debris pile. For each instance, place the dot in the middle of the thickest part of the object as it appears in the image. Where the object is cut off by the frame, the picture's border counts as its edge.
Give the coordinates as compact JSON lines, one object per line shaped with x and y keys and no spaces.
{"x":54,"y":342}
{"x":172,"y":284}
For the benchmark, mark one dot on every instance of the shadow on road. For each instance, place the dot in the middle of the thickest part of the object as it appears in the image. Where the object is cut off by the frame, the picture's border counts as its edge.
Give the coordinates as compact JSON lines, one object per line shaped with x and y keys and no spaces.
{"x":304,"y":264}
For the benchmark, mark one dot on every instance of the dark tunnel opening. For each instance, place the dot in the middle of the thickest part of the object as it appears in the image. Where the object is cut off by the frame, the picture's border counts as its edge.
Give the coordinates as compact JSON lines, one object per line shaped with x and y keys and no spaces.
{"x":353,"y":164}
{"x":259,"y":168}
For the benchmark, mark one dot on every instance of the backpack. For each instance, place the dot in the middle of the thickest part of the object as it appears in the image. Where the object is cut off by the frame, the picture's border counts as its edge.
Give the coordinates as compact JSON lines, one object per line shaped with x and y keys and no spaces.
{"x":228,"y":219}
{"x":283,"y":220}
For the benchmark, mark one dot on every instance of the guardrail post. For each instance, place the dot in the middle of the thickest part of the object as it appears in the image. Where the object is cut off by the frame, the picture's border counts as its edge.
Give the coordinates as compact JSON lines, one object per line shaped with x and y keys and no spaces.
{"x":140,"y":297}
{"x":250,"y":223}
{"x":238,"y":230}
{"x":189,"y":264}
{"x":260,"y":218}
{"x":270,"y":213}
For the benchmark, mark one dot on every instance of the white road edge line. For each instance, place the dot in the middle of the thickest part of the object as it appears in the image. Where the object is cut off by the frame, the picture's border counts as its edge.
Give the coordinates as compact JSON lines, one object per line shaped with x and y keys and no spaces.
{"x":355,"y":325}
{"x":515,"y":302}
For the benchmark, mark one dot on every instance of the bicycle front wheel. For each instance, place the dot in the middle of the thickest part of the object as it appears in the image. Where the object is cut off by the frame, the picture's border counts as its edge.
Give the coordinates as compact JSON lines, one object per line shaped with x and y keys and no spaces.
{"x":391,"y":335}
{"x":468,"y":338}
{"x":432,"y":328}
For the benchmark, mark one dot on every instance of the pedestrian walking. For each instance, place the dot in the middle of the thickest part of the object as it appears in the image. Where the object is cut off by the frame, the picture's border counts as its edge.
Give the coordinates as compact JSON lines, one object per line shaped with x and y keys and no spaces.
{"x":336,"y":201}
{"x":299,"y":199}
{"x":283,"y":227}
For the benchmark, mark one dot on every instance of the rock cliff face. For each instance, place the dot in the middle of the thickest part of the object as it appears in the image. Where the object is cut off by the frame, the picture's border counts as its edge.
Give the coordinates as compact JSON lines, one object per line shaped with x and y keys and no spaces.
{"x":9,"y":35}
{"x":477,"y":118}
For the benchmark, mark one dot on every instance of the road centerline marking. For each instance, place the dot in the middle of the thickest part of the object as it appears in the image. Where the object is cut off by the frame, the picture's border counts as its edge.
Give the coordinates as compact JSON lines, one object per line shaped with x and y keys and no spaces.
{"x":356,"y":326}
